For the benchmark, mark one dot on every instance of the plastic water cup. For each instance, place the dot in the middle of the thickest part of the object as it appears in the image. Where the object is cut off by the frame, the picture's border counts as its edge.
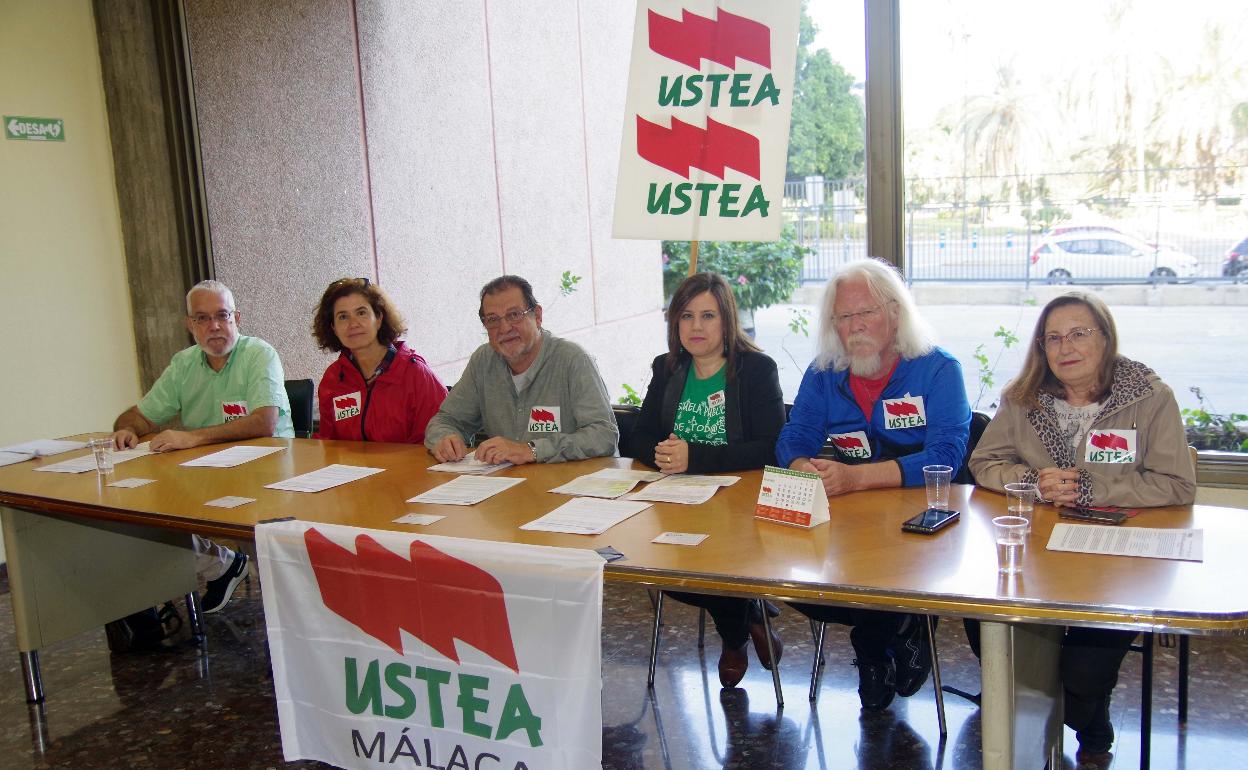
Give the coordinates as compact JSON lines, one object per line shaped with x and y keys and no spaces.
{"x":938,"y":478}
{"x":1010,"y":532}
{"x":102,"y":450}
{"x":1021,"y":501}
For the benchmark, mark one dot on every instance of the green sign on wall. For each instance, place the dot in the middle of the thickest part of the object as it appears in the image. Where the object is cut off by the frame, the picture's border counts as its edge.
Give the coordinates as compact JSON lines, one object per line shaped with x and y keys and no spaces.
{"x":34,"y":129}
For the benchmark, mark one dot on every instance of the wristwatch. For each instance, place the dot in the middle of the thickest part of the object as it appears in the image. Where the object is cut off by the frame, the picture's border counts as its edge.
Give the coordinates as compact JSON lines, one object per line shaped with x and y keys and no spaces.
{"x":533,"y":449}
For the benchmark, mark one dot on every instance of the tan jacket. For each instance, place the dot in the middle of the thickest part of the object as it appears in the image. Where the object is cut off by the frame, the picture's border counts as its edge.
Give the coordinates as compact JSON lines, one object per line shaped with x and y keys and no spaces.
{"x":1019,"y":442}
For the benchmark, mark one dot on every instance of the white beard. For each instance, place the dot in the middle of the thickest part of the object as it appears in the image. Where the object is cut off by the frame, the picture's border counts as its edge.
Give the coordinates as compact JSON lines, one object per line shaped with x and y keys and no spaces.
{"x":866,"y":365}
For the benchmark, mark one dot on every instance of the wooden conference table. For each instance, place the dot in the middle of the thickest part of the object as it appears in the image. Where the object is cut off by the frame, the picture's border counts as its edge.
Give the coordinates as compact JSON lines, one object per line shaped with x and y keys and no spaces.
{"x":81,"y":554}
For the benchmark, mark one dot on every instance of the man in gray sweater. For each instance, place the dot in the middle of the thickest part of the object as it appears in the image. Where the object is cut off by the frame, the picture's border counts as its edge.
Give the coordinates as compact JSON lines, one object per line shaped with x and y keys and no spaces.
{"x":539,"y":398}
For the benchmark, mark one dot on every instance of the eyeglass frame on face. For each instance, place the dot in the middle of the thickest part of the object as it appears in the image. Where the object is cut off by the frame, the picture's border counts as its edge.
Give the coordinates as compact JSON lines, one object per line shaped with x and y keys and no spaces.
{"x":512,"y":317}
{"x":222,"y":317}
{"x":845,"y":319}
{"x":1074,"y":337}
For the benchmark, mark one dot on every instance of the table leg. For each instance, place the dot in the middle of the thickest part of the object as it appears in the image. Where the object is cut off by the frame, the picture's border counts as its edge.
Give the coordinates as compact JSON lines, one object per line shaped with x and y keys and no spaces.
{"x":31,"y":677}
{"x":1022,"y":695}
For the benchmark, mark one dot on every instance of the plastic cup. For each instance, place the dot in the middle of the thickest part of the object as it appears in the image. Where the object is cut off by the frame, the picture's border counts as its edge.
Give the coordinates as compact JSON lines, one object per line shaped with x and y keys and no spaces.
{"x":938,"y":478}
{"x":102,"y":450}
{"x":1021,"y":501}
{"x":1010,"y":532}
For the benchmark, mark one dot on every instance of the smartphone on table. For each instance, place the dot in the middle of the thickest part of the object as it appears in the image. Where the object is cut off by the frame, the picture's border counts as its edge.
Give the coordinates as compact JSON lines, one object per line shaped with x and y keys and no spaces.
{"x":930,"y":521}
{"x":1093,"y":516}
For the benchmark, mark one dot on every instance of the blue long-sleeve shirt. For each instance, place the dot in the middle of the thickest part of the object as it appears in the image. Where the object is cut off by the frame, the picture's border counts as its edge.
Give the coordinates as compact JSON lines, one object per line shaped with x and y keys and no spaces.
{"x":921,"y":418}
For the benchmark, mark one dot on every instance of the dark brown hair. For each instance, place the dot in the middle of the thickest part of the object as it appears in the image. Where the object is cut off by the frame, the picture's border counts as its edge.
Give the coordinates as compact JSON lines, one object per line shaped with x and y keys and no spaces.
{"x":1036,"y":376}
{"x":392,"y":326}
{"x":735,"y":339}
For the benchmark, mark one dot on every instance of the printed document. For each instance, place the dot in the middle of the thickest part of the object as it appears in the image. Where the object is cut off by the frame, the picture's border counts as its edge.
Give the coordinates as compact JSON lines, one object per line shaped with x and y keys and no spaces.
{"x":1183,"y":544}
{"x":465,"y":490}
{"x":325,"y":478}
{"x":87,"y":461}
{"x":470,"y":464}
{"x":235,"y":455}
{"x":43,"y":447}
{"x":586,"y":516}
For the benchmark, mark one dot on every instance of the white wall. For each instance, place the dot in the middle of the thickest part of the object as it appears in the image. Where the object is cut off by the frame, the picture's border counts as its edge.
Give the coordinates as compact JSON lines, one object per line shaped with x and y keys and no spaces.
{"x":68,"y":344}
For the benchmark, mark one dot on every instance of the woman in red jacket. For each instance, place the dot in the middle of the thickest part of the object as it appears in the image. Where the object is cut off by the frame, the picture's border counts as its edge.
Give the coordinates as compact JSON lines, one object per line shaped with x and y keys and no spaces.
{"x":379,"y":389}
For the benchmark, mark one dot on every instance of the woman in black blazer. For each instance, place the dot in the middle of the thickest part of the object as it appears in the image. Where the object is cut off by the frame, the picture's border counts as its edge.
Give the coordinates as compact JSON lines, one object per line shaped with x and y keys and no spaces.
{"x":714,"y":404}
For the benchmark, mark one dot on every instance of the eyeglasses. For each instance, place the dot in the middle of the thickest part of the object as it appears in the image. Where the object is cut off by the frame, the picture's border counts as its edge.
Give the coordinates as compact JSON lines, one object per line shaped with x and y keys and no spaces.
{"x":512,"y":317}
{"x":222,"y":317}
{"x":1074,"y":337}
{"x":362,"y":281}
{"x":866,"y":316}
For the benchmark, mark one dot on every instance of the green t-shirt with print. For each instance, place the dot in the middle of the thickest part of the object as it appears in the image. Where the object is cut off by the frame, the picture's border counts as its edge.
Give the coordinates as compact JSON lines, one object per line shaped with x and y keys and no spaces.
{"x":700,"y":414}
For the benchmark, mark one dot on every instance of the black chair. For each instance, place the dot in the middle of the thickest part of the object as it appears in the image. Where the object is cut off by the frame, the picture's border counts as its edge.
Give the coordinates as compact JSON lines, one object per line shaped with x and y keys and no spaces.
{"x":301,"y":394}
{"x":625,"y":418}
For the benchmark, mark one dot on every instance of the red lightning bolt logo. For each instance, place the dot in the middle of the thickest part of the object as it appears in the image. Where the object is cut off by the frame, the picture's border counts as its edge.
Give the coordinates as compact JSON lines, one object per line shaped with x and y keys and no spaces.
{"x":435,"y":597}
{"x":712,"y":149}
{"x":721,"y":40}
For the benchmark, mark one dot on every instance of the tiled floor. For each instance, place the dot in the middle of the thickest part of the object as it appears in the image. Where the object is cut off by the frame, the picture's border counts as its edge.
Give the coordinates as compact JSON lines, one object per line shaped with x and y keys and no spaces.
{"x":185,"y":709}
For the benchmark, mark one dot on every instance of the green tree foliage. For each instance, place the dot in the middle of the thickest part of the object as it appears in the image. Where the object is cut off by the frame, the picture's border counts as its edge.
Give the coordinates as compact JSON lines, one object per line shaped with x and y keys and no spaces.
{"x":760,"y":273}
{"x":826,"y":135}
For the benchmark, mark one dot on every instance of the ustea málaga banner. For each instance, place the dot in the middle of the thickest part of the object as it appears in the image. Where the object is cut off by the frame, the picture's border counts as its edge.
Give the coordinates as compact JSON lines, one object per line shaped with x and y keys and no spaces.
{"x":706,"y":127}
{"x":391,"y":649}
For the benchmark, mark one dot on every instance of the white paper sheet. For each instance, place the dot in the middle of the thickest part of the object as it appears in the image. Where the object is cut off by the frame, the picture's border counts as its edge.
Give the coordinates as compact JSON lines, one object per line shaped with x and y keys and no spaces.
{"x":235,"y":455}
{"x":624,"y":473}
{"x":470,"y":464}
{"x":608,"y":482}
{"x":684,"y":494}
{"x":12,"y":458}
{"x":44,"y":447}
{"x":680,"y":538}
{"x":1183,"y":544}
{"x":465,"y":490}
{"x":586,"y":516}
{"x":87,"y":461}
{"x":230,"y":501}
{"x":132,"y":483}
{"x":325,"y":478}
{"x":423,"y":519}
{"x":694,"y":480}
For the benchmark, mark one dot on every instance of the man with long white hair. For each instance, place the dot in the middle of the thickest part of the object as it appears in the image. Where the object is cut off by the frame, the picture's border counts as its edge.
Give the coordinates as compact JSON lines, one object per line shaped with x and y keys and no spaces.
{"x":886,"y":401}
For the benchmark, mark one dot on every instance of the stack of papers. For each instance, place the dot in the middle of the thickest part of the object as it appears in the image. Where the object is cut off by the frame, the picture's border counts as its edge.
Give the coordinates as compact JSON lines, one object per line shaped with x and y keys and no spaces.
{"x":586,"y":516}
{"x":465,"y":490}
{"x":608,"y":482}
{"x":329,"y":476}
{"x":44,"y":447}
{"x":470,"y":464}
{"x":87,"y":461}
{"x":685,"y":490}
{"x":235,"y":455}
{"x":1183,"y":544}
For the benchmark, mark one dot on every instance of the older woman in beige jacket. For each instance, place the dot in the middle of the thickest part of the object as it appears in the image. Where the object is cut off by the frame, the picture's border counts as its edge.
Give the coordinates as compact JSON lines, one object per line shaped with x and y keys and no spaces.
{"x":1087,"y":427}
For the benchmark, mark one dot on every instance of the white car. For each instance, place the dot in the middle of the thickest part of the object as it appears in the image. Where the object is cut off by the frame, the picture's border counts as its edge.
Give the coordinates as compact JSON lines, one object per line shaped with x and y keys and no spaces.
{"x":1107,"y":256}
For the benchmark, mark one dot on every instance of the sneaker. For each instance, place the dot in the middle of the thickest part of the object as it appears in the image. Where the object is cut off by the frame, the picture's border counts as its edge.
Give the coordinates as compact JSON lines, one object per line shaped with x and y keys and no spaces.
{"x":876,"y":684}
{"x":220,"y":590}
{"x":913,"y":655}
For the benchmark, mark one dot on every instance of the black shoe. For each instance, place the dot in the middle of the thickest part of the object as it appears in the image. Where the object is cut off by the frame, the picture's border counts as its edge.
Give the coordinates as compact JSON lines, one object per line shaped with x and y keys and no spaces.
{"x":220,"y":590}
{"x":876,"y":684}
{"x":913,"y":655}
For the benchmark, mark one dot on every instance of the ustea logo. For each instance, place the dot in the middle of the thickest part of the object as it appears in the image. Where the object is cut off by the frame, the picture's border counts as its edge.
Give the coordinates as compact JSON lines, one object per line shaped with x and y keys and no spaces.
{"x":1111,"y":446}
{"x":233,"y":410}
{"x":544,"y":419}
{"x":904,"y":412}
{"x":855,"y":445}
{"x":346,"y":407}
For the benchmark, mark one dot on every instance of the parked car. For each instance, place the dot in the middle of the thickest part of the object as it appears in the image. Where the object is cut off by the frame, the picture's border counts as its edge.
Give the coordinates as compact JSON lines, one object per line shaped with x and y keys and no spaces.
{"x":1085,"y":229}
{"x":1235,"y":261}
{"x":1107,"y":256}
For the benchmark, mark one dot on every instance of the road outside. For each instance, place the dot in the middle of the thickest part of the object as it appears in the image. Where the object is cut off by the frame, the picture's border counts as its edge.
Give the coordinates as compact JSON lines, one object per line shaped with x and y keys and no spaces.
{"x":1189,"y":346}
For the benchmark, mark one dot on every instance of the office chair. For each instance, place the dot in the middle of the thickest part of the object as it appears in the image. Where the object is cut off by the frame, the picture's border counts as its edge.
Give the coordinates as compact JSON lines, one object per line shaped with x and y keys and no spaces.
{"x":300,"y":393}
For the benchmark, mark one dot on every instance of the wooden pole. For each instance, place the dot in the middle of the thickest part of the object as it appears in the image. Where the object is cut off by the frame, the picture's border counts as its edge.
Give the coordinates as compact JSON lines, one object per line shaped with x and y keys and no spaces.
{"x":693,"y":257}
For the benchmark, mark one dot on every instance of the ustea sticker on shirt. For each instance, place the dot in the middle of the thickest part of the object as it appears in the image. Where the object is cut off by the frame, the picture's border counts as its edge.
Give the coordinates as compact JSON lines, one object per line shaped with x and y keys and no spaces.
{"x":233,"y":410}
{"x":855,"y":445}
{"x":346,"y":407}
{"x":905,"y":412}
{"x":1111,"y":446}
{"x":544,"y":419}
{"x":716,"y":402}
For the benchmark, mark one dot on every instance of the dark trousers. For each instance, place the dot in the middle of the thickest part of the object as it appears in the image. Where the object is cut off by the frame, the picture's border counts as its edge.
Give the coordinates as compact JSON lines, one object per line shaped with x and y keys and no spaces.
{"x":732,"y":615}
{"x":1089,"y":663}
{"x":873,"y":631}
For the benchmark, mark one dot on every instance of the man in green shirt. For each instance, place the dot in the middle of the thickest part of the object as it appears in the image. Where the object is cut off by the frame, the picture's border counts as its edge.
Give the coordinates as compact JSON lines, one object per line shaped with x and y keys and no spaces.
{"x":227,"y":388}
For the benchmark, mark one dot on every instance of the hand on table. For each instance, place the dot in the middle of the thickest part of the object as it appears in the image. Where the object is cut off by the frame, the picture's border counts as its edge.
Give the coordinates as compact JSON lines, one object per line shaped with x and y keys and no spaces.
{"x":1059,"y":486}
{"x":450,"y":449}
{"x":838,"y":478}
{"x":501,"y":450}
{"x":672,"y":455}
{"x":125,"y":439}
{"x":169,"y":440}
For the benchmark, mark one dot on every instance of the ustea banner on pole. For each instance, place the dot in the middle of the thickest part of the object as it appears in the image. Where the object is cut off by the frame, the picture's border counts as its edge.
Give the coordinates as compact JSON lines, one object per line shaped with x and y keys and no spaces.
{"x":706,"y":127}
{"x":392,"y":649}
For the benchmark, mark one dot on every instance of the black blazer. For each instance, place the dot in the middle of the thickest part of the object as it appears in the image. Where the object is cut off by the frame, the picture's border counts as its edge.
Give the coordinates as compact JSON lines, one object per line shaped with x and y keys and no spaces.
{"x":753,"y":416}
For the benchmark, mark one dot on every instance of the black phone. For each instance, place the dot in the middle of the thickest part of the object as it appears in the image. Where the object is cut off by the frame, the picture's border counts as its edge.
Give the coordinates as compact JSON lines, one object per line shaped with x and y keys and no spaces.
{"x":1096,"y":517}
{"x":930,"y":521}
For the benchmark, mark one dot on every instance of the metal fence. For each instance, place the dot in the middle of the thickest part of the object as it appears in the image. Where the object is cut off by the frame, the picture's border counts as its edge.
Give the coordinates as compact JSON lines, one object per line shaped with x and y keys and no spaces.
{"x":1060,"y":228}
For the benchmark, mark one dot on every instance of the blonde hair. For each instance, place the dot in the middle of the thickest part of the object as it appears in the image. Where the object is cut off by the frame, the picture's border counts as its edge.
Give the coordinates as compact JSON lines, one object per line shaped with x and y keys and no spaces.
{"x":914,"y":336}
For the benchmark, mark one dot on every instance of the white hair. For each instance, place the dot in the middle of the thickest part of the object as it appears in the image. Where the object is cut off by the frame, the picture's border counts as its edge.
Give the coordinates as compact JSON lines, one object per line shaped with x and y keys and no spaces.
{"x":914,"y":336}
{"x":216,"y":287}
